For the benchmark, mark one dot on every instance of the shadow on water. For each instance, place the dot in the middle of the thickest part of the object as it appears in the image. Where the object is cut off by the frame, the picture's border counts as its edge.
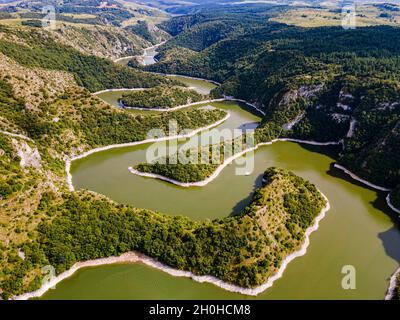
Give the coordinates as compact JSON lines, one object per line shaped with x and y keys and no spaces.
{"x":248,"y":126}
{"x":249,"y":109}
{"x":330,"y":151}
{"x":238,"y":207}
{"x":389,"y":238}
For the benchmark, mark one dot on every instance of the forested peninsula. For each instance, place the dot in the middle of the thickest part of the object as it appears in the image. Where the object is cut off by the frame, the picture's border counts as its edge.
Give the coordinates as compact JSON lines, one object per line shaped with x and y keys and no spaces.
{"x":345,"y":90}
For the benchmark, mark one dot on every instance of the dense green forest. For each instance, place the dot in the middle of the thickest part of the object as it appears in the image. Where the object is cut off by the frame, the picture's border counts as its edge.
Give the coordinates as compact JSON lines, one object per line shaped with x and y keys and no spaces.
{"x":237,"y":249}
{"x":195,"y":164}
{"x":161,"y":97}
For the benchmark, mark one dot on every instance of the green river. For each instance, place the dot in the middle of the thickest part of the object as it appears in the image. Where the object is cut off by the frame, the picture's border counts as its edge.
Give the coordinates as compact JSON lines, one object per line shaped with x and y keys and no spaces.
{"x":359,"y":230}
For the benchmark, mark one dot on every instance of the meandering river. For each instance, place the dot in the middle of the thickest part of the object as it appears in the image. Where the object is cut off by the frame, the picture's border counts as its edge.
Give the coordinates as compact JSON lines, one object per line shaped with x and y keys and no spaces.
{"x":359,"y":230}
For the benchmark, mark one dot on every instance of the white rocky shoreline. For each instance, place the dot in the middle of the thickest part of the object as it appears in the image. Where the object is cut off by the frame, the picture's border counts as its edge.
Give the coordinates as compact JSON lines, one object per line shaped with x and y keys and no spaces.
{"x":173,"y":108}
{"x":136,"y":257}
{"x":144,"y":52}
{"x":392,"y":285}
{"x":217,"y":171}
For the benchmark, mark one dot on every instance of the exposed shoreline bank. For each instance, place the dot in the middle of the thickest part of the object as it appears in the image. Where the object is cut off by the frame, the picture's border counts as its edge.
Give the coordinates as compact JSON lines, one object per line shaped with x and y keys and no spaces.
{"x":392,"y":285}
{"x":213,"y":280}
{"x":220,"y":168}
{"x":135,"y":257}
{"x":173,"y":108}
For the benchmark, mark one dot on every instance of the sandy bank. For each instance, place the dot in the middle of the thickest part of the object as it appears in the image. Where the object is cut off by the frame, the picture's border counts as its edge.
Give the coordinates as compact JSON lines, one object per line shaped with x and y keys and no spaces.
{"x":188,"y":77}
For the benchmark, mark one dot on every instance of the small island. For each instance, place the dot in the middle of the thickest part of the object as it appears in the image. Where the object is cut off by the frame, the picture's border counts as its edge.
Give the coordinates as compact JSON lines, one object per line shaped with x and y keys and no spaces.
{"x":160,"y":97}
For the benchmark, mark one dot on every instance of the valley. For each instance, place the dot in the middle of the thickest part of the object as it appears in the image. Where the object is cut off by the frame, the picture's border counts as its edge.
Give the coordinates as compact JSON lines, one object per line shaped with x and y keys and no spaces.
{"x":77,"y":105}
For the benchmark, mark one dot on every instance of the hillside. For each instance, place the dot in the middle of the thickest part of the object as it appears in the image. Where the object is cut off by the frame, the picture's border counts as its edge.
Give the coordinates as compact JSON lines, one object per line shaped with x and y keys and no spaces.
{"x":342,"y":89}
{"x":106,"y":29}
{"x":324,"y":84}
